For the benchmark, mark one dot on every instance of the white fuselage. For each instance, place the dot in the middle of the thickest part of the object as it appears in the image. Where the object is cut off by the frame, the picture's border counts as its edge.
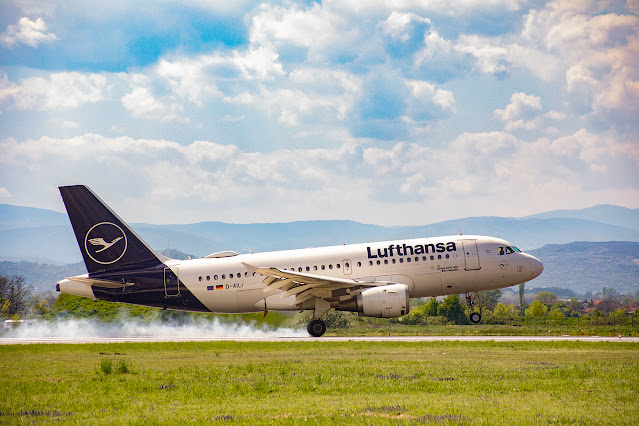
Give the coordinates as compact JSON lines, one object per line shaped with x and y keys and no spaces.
{"x":428,"y":266}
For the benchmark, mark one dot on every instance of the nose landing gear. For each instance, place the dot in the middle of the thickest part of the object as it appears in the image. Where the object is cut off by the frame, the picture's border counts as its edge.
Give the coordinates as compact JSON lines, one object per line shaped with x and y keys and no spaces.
{"x":475,"y":317}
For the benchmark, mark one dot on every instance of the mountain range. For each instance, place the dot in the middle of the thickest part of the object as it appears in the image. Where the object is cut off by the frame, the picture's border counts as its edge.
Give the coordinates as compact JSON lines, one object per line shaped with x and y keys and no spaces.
{"x":45,"y":236}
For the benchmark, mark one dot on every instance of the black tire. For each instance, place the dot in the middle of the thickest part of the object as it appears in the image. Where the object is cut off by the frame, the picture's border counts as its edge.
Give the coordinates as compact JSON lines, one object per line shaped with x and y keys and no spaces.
{"x":316,"y":328}
{"x":475,"y":318}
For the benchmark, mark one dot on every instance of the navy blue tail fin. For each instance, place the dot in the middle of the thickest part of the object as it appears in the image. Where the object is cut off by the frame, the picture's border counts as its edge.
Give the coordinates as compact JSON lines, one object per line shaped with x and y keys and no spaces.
{"x":106,"y":241}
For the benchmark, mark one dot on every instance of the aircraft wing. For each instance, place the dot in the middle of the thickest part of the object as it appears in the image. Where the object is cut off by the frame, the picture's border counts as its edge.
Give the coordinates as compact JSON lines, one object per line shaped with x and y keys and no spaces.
{"x":307,"y":286}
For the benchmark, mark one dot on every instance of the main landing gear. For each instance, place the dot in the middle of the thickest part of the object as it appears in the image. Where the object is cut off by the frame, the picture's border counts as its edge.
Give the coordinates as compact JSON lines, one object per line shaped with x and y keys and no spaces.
{"x":316,"y":327}
{"x":475,"y":317}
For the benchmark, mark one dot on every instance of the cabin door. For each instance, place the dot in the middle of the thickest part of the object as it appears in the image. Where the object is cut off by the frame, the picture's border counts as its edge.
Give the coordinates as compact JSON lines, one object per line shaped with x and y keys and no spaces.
{"x":471,"y":255}
{"x":171,"y":283}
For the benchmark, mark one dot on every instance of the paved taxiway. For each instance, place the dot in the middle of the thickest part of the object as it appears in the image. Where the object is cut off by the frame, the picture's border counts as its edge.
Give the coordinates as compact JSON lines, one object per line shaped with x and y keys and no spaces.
{"x":83,"y":340}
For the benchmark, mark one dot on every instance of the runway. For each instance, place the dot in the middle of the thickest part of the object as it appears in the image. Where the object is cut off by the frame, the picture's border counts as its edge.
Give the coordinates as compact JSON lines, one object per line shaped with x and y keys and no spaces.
{"x":142,"y":339}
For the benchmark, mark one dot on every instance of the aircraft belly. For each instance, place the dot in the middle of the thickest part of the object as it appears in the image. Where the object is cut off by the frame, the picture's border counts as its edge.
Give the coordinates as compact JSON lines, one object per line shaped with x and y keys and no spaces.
{"x":246,"y":299}
{"x":427,"y":285}
{"x":229,"y":298}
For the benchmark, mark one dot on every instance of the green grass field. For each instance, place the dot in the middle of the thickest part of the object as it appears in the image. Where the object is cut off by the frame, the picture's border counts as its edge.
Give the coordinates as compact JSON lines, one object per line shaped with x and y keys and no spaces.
{"x":321,"y":382}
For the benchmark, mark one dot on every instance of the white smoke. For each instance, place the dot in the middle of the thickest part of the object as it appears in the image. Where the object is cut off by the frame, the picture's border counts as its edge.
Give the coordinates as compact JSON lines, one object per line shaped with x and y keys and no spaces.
{"x":130,"y":328}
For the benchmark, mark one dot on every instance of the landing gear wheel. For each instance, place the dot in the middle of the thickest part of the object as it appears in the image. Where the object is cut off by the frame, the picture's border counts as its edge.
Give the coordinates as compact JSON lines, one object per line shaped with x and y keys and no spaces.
{"x":475,"y":318}
{"x":316,"y":328}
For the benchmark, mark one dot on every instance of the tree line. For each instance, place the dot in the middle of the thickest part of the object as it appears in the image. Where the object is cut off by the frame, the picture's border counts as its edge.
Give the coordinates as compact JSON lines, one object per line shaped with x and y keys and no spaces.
{"x":17,"y":301}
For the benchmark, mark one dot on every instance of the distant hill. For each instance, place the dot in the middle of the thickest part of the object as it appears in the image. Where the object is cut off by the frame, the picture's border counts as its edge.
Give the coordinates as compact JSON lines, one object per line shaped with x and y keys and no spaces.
{"x":41,"y":277}
{"x":17,"y":217}
{"x":604,"y":213}
{"x":589,"y":266}
{"x":43,"y":236}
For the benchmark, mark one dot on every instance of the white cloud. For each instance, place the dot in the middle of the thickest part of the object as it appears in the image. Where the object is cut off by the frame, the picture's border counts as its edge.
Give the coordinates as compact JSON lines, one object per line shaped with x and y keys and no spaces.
{"x":321,"y":30}
{"x":440,"y":56}
{"x":27,"y":32}
{"x":523,"y":112}
{"x":141,"y":103}
{"x":556,"y":115}
{"x":429,"y":101}
{"x":70,"y":125}
{"x":598,"y":53}
{"x":4,"y":193}
{"x":490,"y":58}
{"x":163,"y":181}
{"x":65,"y":90}
{"x":398,"y":24}
{"x":355,"y":78}
{"x":446,"y":7}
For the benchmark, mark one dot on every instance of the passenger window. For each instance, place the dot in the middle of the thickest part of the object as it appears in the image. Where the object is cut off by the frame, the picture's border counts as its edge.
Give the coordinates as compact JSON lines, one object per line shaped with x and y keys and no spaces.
{"x":223,"y":276}
{"x":215,"y":277}
{"x":416,"y":259}
{"x":324,"y":267}
{"x":208,"y":278}
{"x":315,"y":268}
{"x":370,"y":263}
{"x":432,"y":257}
{"x":385,"y":261}
{"x":200,"y":278}
{"x":401,"y":260}
{"x":424,"y":258}
{"x":299,"y":269}
{"x":439,"y":256}
{"x":447,"y":256}
{"x":308,"y":268}
{"x":359,"y":264}
{"x":379,"y":262}
{"x":230,"y":275}
{"x":394,"y":261}
{"x":337,"y":266}
{"x":408,"y":259}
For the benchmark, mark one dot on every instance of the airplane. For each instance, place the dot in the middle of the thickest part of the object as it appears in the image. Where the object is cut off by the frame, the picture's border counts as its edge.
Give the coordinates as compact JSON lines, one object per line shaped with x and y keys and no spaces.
{"x":375,"y":279}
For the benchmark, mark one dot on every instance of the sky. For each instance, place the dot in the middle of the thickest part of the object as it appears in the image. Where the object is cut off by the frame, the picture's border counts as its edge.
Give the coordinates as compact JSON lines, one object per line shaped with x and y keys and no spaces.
{"x":391,"y":112}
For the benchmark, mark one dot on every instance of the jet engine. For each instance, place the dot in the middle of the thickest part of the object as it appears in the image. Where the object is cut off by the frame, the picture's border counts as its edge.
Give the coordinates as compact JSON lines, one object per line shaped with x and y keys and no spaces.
{"x":386,"y":301}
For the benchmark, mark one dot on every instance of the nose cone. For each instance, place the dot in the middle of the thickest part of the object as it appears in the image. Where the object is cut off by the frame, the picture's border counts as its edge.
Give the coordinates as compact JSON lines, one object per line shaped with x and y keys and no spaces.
{"x":535,"y":267}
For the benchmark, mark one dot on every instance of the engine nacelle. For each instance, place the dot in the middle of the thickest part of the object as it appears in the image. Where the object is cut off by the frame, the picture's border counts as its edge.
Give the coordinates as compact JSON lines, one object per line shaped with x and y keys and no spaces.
{"x":386,"y":301}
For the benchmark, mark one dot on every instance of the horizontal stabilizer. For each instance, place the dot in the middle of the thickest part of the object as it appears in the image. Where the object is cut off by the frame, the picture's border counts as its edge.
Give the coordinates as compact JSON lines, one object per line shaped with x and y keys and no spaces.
{"x":99,"y":283}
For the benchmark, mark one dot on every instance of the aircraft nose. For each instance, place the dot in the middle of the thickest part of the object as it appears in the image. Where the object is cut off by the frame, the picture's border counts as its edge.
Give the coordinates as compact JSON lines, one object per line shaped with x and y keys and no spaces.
{"x":536,"y":267}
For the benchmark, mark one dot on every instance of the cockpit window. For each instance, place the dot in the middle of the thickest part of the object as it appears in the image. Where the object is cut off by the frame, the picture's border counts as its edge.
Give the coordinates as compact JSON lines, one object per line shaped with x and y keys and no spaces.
{"x":507,"y":250}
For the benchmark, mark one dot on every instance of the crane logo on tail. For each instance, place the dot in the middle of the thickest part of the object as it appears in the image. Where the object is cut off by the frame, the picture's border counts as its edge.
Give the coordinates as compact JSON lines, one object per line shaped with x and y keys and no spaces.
{"x":105,"y":243}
